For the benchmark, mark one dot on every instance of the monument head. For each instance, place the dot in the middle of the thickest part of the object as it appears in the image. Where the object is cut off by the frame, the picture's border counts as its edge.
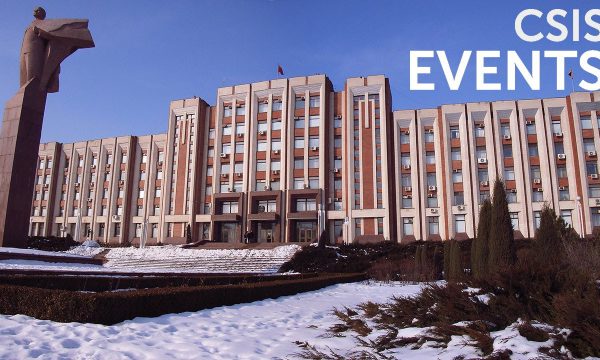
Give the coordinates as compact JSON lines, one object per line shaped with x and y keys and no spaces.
{"x":39,"y":13}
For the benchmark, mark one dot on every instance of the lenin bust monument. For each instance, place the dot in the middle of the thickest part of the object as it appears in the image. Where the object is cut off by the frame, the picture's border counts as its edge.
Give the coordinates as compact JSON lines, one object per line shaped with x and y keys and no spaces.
{"x":46,"y":43}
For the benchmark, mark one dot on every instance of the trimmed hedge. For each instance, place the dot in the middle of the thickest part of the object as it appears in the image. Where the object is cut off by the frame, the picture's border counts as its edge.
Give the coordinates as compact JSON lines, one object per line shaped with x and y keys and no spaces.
{"x":112,"y":307}
{"x":139,"y":281}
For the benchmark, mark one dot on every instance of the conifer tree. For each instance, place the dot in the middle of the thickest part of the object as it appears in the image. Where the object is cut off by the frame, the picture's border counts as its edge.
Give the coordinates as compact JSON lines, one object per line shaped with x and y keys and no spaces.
{"x":425,"y":268}
{"x":501,"y":244}
{"x":547,"y":248}
{"x":418,"y":263}
{"x":447,"y":259}
{"x":456,"y":269}
{"x":480,"y":245}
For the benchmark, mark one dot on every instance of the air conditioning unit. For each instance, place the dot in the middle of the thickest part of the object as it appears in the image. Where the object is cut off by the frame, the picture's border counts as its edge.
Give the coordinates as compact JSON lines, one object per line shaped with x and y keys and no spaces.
{"x":430,"y":131}
{"x":266,"y":188}
{"x":276,"y":152}
{"x":314,"y":148}
{"x":481,"y":126}
{"x":238,"y":174}
{"x":306,"y":186}
{"x":223,"y":155}
{"x":406,"y":196}
{"x":296,"y":117}
{"x":513,"y":190}
{"x":336,"y":170}
{"x":337,"y":199}
{"x":106,"y":166}
{"x":561,"y":156}
{"x":562,"y":188}
{"x":275,"y":172}
{"x":429,"y":195}
{"x":77,"y":185}
{"x":121,"y":182}
{"x":406,"y":167}
{"x":46,"y":186}
{"x":240,"y":135}
{"x":224,"y":175}
{"x":529,"y":122}
{"x":231,"y":189}
{"x":262,"y":132}
{"x":407,"y":188}
{"x":460,"y":207}
{"x":540,"y":190}
{"x":433,"y":211}
{"x":456,"y":170}
{"x":159,"y":163}
{"x":537,"y":181}
{"x":406,"y":132}
{"x":597,"y":201}
{"x":116,"y":218}
{"x":558,"y":134}
{"x":265,"y":101}
{"x":482,"y":161}
{"x":93,"y":167}
{"x":431,"y":188}
{"x":594,"y":176}
{"x":338,"y":117}
{"x":506,"y":137}
{"x":484,"y":183}
{"x":90,"y":199}
{"x":591,"y":153}
{"x":92,"y":184}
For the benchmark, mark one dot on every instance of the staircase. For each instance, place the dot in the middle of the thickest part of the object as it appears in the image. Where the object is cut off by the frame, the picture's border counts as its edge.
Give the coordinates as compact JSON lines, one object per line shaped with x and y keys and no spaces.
{"x":199,"y":261}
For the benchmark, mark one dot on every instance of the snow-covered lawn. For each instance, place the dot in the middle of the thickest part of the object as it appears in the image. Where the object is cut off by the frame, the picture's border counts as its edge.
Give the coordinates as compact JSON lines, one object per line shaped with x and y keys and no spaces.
{"x":264,"y":329}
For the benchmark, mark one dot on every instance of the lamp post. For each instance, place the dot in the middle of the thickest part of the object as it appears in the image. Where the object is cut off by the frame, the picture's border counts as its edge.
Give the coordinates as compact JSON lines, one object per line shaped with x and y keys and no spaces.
{"x":580,"y":213}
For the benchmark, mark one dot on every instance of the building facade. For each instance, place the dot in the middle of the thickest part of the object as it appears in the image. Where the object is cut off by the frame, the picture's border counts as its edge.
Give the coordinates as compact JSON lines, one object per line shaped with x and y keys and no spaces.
{"x":290,"y":160}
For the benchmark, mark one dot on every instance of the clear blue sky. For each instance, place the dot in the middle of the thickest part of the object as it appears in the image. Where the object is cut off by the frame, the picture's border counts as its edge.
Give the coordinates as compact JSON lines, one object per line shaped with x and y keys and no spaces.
{"x":150,"y":52}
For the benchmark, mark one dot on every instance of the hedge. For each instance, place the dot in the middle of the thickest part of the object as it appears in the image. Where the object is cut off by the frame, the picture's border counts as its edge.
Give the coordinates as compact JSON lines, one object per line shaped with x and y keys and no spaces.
{"x":113,"y":307}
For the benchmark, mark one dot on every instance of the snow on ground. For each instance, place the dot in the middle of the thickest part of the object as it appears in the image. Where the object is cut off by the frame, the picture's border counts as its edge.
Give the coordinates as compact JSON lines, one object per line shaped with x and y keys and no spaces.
{"x":39,"y":252}
{"x":260,"y":330}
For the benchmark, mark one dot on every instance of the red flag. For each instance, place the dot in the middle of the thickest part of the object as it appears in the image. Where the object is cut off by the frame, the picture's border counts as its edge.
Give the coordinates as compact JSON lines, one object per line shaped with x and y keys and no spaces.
{"x":279,"y":70}
{"x":571,"y":73}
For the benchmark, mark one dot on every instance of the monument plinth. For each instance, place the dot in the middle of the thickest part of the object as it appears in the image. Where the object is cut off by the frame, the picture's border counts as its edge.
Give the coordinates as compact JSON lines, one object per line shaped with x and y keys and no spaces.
{"x":45,"y":45}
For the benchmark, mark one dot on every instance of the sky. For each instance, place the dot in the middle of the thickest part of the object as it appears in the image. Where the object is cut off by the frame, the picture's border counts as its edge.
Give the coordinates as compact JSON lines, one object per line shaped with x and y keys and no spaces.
{"x":151,"y":52}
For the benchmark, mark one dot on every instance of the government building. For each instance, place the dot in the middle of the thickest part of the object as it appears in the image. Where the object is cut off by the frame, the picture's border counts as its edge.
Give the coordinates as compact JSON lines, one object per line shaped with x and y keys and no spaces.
{"x":290,"y":160}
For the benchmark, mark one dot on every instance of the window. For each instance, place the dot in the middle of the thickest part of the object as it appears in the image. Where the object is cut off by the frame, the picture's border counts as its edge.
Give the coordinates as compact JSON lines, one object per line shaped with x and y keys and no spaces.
{"x":532,"y":149}
{"x":299,"y":122}
{"x":405,"y":159}
{"x":514,"y":220}
{"x":459,"y":224}
{"x":313,"y":142}
{"x":594,"y":191}
{"x":505,"y":130}
{"x":479,"y":131}
{"x":119,"y":210}
{"x":482,"y":175}
{"x":261,"y":145}
{"x":211,"y":133}
{"x":561,"y":171}
{"x":459,"y":198}
{"x":530,"y":129}
{"x":313,"y":162}
{"x":208,"y":190}
{"x":566,"y":216}
{"x":481,"y":153}
{"x":337,"y":142}
{"x":432,"y":200}
{"x":507,"y":150}
{"x":117,"y":230}
{"x":240,"y":110}
{"x":559,"y":148}
{"x":586,"y":122}
{"x":306,"y":205}
{"x":484,"y":195}
{"x":511,"y":197}
{"x":457,"y":176}
{"x":313,"y":182}
{"x":227,"y":130}
{"x":225,"y":168}
{"x":140,"y":210}
{"x":156,"y":210}
{"x":157,"y":192}
{"x":298,"y":183}
{"x":455,"y":154}
{"x":240,"y":128}
{"x":209,"y":171}
{"x":227,"y":111}
{"x":269,"y":205}
{"x":430,"y":158}
{"x":276,"y":124}
{"x":431,"y":179}
{"x":588,"y":145}
{"x":276,"y":145}
{"x":537,"y":219}
{"x":262,"y":126}
{"x":237,"y":186}
{"x":261,"y":165}
{"x":556,"y":129}
{"x":239,"y":147}
{"x":299,"y":143}
{"x":509,"y":173}
{"x":433,"y":225}
{"x":407,"y":226}
{"x":404,"y":137}
{"x":428,"y":136}
{"x":210,"y":152}
{"x":314,"y":101}
{"x":313,"y":121}
{"x":337,"y":123}
{"x":276,"y":105}
{"x":80,"y":164}
{"x":537,"y":195}
{"x":299,"y":103}
{"x":563,"y":193}
{"x":123,"y":159}
{"x":298,"y":163}
{"x":536,"y":172}
{"x":263,"y":106}
{"x":591,"y":167}
{"x":454,"y":132}
{"x":406,"y":180}
{"x":238,"y":167}
{"x":407,"y":202}
{"x":140,"y":193}
{"x":229,"y":207}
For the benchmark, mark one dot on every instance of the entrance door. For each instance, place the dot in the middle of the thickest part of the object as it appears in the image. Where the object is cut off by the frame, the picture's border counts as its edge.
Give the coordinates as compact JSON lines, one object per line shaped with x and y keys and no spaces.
{"x":228,"y":232}
{"x":265,"y":231}
{"x":306,"y":231}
